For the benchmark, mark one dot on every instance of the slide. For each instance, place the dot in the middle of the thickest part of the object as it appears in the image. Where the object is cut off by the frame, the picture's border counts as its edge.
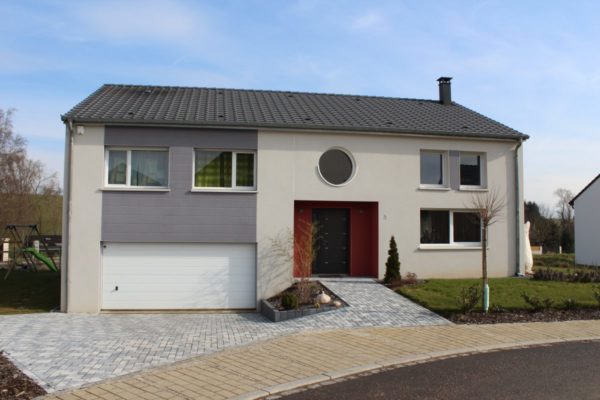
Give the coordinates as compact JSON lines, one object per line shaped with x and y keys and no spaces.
{"x":46,"y":260}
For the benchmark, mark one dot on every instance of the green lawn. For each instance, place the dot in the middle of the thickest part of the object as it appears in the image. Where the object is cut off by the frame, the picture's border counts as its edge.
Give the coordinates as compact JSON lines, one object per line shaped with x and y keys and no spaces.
{"x":29,"y":292}
{"x":441,"y":295}
{"x":566,"y":260}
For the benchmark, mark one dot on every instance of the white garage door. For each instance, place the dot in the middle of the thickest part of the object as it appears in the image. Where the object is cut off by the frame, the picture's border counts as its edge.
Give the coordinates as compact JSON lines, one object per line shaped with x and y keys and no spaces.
{"x":178,"y":276}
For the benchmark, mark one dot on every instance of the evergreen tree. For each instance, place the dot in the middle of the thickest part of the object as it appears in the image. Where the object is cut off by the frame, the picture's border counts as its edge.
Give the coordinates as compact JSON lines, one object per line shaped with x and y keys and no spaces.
{"x":392,"y":265}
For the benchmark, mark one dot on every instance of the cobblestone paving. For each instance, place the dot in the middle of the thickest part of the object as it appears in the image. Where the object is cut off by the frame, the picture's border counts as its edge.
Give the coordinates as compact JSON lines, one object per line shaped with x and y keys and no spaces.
{"x":66,"y":351}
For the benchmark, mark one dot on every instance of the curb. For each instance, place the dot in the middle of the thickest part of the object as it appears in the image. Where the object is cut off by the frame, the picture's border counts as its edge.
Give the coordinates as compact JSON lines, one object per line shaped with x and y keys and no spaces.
{"x":396,"y":363}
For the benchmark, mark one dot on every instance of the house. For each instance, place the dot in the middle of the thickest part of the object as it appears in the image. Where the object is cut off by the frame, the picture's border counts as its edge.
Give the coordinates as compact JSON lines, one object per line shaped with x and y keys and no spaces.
{"x":587,"y":224}
{"x":175,"y":197}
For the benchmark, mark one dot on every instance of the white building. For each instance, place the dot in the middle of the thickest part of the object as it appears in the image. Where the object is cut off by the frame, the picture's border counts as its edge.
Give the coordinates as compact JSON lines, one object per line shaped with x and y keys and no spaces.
{"x":587,"y":224}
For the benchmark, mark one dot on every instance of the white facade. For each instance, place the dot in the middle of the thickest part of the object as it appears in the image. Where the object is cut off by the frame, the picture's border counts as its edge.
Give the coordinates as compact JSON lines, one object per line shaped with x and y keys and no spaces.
{"x":587,"y":225}
{"x":387,"y":172}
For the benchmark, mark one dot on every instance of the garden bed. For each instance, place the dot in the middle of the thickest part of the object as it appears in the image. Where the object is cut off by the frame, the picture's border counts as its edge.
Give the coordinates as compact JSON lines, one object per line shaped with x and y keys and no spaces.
{"x":16,"y":385}
{"x":274,"y":309}
{"x":525,"y":316}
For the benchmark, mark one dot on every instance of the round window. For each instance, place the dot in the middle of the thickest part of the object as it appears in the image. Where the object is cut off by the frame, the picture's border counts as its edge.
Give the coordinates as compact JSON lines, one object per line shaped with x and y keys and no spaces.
{"x":336,"y":166}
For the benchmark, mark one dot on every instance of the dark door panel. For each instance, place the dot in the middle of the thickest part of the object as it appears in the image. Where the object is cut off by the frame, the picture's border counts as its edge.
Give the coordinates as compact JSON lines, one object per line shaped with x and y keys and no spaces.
{"x":333,"y":238}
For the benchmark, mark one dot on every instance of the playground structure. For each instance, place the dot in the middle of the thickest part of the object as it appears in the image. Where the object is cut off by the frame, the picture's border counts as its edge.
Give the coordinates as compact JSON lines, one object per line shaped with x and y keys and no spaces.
{"x":28,"y":245}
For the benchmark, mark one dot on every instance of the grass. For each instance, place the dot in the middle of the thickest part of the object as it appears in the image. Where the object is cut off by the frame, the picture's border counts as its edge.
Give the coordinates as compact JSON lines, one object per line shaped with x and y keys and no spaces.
{"x":29,"y":292}
{"x":566,"y":260}
{"x":441,"y":295}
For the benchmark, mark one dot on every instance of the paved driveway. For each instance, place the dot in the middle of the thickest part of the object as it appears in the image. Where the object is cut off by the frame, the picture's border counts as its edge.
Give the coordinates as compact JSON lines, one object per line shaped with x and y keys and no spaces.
{"x":66,"y":351}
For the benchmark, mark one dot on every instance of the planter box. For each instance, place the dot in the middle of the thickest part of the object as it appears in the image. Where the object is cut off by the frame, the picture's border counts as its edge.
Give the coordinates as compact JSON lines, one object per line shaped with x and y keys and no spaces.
{"x":276,"y":315}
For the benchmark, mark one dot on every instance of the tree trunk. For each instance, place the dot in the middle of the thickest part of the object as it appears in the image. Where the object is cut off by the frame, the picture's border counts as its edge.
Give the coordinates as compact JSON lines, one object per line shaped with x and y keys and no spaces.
{"x":484,"y":273}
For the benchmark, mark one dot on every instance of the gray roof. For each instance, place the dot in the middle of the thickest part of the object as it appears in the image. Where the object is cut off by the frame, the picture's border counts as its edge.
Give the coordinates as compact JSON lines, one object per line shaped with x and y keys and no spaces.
{"x":213,"y":107}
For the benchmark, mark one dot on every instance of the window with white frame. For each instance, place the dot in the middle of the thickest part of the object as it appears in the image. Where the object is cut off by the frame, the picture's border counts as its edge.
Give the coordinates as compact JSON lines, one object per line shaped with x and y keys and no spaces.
{"x":217,"y":169}
{"x":472,"y":170}
{"x":137,"y":168}
{"x":440,"y":227}
{"x":434,"y":168}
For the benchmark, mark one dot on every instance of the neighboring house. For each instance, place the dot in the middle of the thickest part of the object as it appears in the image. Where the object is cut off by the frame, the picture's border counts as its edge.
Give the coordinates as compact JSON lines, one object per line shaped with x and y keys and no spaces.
{"x":175,"y":196}
{"x":587,"y":223}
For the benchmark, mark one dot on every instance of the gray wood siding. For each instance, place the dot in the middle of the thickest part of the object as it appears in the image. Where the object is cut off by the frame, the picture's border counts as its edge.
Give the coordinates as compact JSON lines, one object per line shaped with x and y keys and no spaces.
{"x":179,"y":215}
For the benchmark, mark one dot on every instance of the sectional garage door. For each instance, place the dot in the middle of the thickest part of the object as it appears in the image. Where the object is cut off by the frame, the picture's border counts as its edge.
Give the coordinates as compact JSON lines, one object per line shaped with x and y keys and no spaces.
{"x":178,"y":276}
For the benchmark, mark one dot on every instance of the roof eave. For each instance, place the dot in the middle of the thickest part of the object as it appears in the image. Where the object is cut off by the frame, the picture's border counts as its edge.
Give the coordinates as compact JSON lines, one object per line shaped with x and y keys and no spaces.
{"x":66,"y":117}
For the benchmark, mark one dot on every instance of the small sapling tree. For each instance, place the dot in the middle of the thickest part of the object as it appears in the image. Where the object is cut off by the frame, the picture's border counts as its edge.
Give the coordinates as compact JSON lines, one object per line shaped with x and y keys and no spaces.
{"x":489,"y":207}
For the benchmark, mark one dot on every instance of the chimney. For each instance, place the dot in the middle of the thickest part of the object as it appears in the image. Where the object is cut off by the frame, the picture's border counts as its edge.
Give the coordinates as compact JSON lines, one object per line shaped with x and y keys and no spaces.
{"x":445,"y":94}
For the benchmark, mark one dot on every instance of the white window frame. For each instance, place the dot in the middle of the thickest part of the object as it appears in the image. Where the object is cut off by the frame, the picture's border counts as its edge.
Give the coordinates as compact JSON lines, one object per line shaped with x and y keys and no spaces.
{"x":445,"y":168}
{"x":234,"y":187}
{"x":451,"y":244}
{"x":127,"y":184}
{"x":482,"y":170}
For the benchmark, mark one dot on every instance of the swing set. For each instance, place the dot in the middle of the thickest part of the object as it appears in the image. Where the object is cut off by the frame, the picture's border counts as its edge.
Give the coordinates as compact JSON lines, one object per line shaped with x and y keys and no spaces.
{"x":22,"y":238}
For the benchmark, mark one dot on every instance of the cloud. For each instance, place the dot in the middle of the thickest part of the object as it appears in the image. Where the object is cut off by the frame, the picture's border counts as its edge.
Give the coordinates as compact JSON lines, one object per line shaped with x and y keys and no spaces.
{"x":372,"y":21}
{"x":132,"y":21}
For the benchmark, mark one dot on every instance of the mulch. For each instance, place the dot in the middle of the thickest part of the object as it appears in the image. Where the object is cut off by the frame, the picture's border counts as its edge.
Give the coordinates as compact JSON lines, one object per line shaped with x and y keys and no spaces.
{"x":16,"y":385}
{"x":525,"y":316}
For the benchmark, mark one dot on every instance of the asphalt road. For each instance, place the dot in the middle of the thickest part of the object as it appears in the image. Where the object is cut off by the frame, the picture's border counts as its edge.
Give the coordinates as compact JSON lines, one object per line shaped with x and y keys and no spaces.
{"x":561,"y":371}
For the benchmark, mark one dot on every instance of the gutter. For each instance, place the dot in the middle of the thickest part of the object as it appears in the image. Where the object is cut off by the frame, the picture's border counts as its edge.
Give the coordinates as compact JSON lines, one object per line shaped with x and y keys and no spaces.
{"x":66,"y":232}
{"x":518,"y":217}
{"x":288,"y":127}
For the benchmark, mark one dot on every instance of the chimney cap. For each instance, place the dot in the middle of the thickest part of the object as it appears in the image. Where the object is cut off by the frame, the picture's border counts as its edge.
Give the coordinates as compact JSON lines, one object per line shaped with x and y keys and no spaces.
{"x":444,"y":79}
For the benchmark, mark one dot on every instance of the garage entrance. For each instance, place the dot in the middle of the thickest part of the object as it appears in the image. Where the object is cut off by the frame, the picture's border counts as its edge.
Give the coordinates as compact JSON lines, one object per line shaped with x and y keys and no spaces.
{"x":178,"y":276}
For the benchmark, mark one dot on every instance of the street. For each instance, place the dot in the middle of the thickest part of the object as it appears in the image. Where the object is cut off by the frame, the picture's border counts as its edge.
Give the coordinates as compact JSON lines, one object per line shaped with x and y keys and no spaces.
{"x":559,"y":371}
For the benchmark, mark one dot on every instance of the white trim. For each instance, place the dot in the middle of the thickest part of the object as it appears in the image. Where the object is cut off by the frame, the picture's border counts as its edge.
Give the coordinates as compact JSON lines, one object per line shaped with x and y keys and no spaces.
{"x":434,"y":188}
{"x":223,"y":190}
{"x":234,"y":187}
{"x":136,"y":189}
{"x":445,"y":170}
{"x":445,"y":246}
{"x":352,"y":161}
{"x":482,"y":171}
{"x":127,"y":186}
{"x":451,"y":244}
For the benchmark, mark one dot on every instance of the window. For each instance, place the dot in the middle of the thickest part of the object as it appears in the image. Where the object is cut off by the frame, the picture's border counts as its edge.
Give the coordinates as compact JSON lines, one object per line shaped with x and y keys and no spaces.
{"x":450,"y":227}
{"x":216,"y":169}
{"x":336,"y":167}
{"x":140,"y":168}
{"x":433,"y":168}
{"x":471,"y":169}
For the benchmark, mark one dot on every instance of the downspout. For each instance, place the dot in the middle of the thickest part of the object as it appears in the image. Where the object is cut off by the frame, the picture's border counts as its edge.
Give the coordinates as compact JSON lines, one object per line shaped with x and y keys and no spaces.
{"x":518,"y":218}
{"x":66,"y":214}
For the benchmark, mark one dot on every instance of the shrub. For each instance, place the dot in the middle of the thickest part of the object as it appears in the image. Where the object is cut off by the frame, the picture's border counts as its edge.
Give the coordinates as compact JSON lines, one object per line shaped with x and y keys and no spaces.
{"x":570,"y":304}
{"x":469,"y":298}
{"x":596,"y":292}
{"x":392,"y":265}
{"x":410,"y":278}
{"x":536,"y":303}
{"x":548,"y":274}
{"x":289,"y":301}
{"x":497,"y":308}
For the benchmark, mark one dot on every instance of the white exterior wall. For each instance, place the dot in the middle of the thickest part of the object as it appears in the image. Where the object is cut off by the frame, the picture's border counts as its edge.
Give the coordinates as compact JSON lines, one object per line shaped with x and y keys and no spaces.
{"x":388,"y":173}
{"x":84,"y":223}
{"x":587,"y":226}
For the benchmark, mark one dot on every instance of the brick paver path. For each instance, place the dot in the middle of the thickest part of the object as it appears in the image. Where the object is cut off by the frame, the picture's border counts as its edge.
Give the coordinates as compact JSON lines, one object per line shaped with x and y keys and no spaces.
{"x":288,"y":362}
{"x":65,"y":351}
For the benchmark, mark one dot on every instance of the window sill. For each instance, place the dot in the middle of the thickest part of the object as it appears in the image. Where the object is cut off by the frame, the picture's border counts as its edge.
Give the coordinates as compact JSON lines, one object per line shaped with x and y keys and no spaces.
{"x":222,"y":191}
{"x":447,"y":247}
{"x":134,"y":189}
{"x":472,"y":189}
{"x":435,"y":188}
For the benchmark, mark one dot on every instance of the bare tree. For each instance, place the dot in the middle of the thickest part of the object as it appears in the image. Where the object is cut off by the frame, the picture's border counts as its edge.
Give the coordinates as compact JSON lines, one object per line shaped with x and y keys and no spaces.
{"x":299,"y":248}
{"x":563,"y":209}
{"x":565,"y":216}
{"x":24,"y":185}
{"x":489,"y":206}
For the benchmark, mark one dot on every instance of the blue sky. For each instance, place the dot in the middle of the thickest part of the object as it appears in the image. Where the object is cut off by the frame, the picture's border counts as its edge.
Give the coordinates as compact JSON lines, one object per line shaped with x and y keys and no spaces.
{"x":532,"y":65}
